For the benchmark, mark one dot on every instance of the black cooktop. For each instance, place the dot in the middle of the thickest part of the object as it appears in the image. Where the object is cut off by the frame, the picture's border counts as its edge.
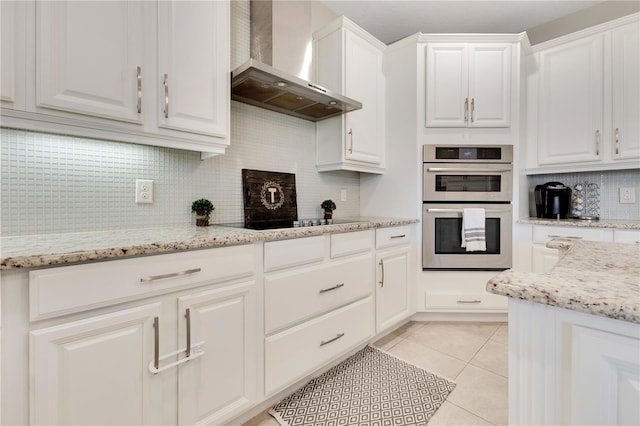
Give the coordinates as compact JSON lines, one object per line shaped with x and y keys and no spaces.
{"x":305,"y":223}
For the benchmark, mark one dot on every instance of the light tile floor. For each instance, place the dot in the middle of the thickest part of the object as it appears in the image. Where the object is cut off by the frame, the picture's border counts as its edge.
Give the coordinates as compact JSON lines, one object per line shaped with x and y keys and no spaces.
{"x":473,"y":354}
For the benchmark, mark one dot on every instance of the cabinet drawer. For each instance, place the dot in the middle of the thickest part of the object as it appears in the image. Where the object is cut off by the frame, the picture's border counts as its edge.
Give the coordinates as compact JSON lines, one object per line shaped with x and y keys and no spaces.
{"x":291,"y":297}
{"x":465,"y":301}
{"x":543,"y":234}
{"x":287,"y":253}
{"x":68,"y":289}
{"x":351,"y":243}
{"x":394,"y":236}
{"x":626,"y":236}
{"x":298,"y":351}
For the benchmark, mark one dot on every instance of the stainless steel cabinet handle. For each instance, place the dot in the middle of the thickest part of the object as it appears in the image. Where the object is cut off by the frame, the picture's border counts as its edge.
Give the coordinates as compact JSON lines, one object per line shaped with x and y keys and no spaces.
{"x":473,"y":107}
{"x":323,"y":342}
{"x":187,"y":316}
{"x":381,"y":282}
{"x":166,"y":95}
{"x":461,"y":210}
{"x":466,"y":109}
{"x":398,"y":236}
{"x":467,"y":169}
{"x":598,"y":142}
{"x":469,"y":301}
{"x":565,"y":236}
{"x":324,"y":290}
{"x":350,"y":141}
{"x":171,"y":275}
{"x":156,"y":349}
{"x":139,"y":89}
{"x":617,"y":138}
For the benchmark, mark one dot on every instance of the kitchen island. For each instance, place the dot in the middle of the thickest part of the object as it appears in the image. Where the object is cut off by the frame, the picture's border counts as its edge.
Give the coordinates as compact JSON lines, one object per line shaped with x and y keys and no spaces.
{"x":574,"y":336}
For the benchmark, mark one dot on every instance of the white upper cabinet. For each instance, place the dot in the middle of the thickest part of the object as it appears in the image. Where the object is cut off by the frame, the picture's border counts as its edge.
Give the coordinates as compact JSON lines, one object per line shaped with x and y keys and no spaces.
{"x":625,"y":70}
{"x":89,"y":58}
{"x":584,"y":100}
{"x":193,"y":44}
{"x":148,"y":72}
{"x":349,"y":61}
{"x":12,"y":39}
{"x":468,"y":84}
{"x":570,"y":102}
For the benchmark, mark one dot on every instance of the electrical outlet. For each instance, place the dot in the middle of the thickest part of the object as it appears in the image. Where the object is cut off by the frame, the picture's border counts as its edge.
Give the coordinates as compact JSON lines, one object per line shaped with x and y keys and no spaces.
{"x":343,"y":194}
{"x":144,"y":191}
{"x":627,"y":195}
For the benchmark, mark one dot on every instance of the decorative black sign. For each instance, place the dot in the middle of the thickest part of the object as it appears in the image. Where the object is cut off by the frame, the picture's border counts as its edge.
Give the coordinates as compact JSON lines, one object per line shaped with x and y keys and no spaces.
{"x":269,"y":199}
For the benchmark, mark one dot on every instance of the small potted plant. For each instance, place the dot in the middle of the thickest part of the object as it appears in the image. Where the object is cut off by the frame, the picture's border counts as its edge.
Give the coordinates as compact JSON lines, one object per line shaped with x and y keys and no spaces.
{"x":328,"y":206}
{"x":203,"y":209}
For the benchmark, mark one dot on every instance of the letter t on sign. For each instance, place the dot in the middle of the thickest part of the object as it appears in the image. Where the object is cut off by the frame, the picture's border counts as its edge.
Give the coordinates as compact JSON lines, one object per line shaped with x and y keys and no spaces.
{"x":272,"y":191}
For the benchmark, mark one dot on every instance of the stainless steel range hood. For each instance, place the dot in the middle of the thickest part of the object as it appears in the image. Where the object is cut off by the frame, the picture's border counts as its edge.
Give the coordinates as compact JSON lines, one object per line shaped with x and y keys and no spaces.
{"x":257,"y":83}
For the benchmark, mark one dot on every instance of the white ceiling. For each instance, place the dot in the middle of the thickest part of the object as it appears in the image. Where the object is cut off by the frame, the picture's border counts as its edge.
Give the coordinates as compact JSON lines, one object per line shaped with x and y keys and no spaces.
{"x":392,"y":20}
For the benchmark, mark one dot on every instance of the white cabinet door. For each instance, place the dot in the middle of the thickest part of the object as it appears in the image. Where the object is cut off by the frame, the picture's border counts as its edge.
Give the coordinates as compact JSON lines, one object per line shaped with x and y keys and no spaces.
{"x":95,"y":371}
{"x":348,"y":60}
{"x":543,"y":259}
{"x":489,"y":85}
{"x":193,"y":57}
{"x":447,"y":77}
{"x":468,"y":84}
{"x":625,"y":70}
{"x":221,"y":383}
{"x":13,"y":63}
{"x":87,"y":57}
{"x":602,"y":377}
{"x":570,"y":104}
{"x":392,"y":288}
{"x":363,"y":65}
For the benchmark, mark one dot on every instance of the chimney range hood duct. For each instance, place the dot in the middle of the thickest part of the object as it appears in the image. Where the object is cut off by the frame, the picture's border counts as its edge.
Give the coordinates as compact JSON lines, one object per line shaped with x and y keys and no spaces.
{"x":259,"y":84}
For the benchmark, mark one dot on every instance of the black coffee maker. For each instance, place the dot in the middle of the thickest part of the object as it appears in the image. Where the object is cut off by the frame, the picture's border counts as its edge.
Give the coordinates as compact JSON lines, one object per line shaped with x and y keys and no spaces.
{"x":553,"y":200}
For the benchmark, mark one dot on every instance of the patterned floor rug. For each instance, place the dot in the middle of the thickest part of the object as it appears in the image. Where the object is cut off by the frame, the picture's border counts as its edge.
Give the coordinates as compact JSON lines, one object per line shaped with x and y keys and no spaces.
{"x":369,"y":388}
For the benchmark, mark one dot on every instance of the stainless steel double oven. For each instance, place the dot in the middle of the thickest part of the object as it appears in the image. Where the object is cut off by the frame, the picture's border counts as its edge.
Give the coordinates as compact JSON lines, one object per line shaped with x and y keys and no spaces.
{"x":459,"y":177}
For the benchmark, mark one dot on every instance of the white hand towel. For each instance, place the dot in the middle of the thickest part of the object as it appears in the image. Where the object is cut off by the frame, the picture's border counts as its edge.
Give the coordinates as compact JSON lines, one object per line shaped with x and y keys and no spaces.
{"x":473,"y":230}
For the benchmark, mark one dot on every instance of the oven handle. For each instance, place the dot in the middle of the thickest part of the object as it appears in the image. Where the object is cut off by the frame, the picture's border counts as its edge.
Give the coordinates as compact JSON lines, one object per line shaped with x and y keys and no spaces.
{"x":461,"y":210}
{"x":462,"y":169}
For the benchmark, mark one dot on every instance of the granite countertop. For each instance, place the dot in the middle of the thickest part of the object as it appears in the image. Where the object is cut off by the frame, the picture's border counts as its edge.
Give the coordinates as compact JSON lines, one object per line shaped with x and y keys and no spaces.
{"x":57,"y":249}
{"x":593,"y":277}
{"x":577,"y":223}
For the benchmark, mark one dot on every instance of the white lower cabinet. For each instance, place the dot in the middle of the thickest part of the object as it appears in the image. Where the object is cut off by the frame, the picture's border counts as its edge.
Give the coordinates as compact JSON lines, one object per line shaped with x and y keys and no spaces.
{"x":392,"y":288}
{"x":319,"y":307}
{"x":543,"y":259}
{"x":95,"y":370}
{"x":177,"y":344}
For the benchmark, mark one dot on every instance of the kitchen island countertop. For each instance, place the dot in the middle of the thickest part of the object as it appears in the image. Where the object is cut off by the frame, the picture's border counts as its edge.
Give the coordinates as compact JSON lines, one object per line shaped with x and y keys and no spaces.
{"x":57,"y":249}
{"x":577,"y":223}
{"x":593,"y":277}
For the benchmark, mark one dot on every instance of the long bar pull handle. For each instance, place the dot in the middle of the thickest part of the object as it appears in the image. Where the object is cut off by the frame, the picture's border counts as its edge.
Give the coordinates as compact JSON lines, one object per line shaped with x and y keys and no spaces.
{"x":381,"y":282}
{"x":335,"y":287}
{"x":469,"y":301}
{"x":166,"y":95}
{"x":598,"y":142}
{"x":467,"y":169}
{"x":139,"y":89}
{"x":171,"y":275}
{"x":617,"y":138}
{"x":461,"y":210}
{"x":350,"y":141}
{"x":473,"y":108}
{"x":565,"y":236}
{"x":398,"y":236}
{"x":156,"y":348}
{"x":187,"y":315}
{"x":466,"y":109}
{"x":326,"y":342}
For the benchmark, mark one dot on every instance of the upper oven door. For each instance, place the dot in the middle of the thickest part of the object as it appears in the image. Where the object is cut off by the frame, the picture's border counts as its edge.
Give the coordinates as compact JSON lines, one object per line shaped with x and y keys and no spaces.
{"x":467,"y":182}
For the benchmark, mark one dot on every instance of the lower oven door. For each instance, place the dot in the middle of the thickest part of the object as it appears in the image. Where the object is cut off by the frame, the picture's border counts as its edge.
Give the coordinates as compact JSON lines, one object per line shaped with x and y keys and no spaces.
{"x":442,"y":238}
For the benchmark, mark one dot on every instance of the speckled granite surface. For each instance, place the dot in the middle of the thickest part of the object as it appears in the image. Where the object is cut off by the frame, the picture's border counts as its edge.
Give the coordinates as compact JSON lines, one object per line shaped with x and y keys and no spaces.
{"x":592,"y":277}
{"x":603,"y":223}
{"x":56,"y":249}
